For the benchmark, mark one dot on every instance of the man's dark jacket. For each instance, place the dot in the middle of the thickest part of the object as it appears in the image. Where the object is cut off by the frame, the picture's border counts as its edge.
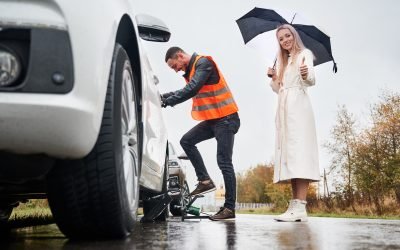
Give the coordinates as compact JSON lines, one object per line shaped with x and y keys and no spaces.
{"x":205,"y":74}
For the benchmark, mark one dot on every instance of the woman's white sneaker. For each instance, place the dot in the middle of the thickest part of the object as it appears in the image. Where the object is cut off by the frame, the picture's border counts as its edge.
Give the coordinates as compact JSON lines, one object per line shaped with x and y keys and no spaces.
{"x":295,"y":212}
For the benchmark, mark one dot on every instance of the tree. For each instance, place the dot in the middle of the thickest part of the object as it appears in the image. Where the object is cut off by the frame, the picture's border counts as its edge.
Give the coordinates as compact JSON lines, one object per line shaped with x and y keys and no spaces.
{"x":371,"y":167}
{"x":342,"y":148}
{"x":251,"y":185}
{"x":368,"y":161}
{"x":279,"y":194}
{"x":386,"y":123}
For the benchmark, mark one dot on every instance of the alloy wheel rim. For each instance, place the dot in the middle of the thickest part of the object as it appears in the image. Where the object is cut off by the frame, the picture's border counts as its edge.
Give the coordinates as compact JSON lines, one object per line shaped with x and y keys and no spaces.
{"x":130,"y":140}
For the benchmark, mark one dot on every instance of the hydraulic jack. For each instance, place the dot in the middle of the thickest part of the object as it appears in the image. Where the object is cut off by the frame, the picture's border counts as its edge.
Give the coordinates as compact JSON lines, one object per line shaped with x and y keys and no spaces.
{"x":188,"y":211}
{"x":192,"y":210}
{"x":163,"y":201}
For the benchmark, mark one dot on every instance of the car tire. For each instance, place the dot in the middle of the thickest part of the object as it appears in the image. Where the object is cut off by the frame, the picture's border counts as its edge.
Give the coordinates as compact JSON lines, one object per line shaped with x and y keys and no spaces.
{"x":178,"y":205}
{"x":149,"y":204}
{"x":98,"y":196}
{"x":5,"y":213}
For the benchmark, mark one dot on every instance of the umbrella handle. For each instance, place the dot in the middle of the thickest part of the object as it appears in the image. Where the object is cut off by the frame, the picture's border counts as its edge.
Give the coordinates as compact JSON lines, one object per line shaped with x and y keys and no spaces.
{"x":334,"y":67}
{"x":273,"y":67}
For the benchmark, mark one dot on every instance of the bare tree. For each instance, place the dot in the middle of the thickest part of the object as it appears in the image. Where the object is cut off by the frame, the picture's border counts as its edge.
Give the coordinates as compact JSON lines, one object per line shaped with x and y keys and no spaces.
{"x":342,"y":149}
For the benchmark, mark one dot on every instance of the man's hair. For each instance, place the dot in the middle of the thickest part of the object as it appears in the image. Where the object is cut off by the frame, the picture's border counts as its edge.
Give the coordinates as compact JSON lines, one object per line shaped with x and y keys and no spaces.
{"x":171,"y":53}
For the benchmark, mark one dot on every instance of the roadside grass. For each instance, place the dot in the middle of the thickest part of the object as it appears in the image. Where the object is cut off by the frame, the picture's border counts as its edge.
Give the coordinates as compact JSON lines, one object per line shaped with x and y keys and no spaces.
{"x":37,"y":212}
{"x":343,"y":214}
{"x":356,"y":216}
{"x":33,"y":212}
{"x":257,"y":211}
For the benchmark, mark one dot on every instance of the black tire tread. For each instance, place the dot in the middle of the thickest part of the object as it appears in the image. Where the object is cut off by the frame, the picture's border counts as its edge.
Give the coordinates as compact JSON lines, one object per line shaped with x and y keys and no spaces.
{"x":85,"y":196}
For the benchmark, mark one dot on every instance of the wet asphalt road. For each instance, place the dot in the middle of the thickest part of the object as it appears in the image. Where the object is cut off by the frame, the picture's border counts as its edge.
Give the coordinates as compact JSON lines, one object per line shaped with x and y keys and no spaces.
{"x":246,"y":232}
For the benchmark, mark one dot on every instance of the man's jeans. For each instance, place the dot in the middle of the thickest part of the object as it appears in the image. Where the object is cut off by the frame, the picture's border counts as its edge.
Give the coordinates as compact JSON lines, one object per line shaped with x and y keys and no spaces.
{"x":224,"y":130}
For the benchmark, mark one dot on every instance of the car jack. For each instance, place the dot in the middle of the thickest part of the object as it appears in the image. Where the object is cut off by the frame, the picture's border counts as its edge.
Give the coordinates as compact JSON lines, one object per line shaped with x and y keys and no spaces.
{"x":163,"y":201}
{"x":194,"y":211}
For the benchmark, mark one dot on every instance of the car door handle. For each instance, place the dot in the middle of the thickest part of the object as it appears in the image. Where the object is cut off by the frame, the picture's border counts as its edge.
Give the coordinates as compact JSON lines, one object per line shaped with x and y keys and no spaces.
{"x":155,"y":79}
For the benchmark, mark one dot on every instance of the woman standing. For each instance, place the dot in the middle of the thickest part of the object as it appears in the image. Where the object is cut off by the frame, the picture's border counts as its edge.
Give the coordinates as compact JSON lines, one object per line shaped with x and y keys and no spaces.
{"x":296,"y":149}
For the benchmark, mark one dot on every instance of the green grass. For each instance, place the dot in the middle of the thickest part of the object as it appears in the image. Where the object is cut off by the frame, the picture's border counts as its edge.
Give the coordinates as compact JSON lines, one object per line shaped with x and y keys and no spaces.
{"x":321,"y":214}
{"x":31,"y":213}
{"x":37,"y":212}
{"x":356,"y":216}
{"x":256,"y":211}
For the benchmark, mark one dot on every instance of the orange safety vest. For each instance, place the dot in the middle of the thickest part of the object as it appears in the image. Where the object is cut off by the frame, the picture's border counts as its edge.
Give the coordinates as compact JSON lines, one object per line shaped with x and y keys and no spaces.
{"x":214,"y":100}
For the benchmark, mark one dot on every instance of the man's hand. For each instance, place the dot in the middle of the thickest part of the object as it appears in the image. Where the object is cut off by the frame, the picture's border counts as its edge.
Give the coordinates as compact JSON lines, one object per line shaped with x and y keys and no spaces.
{"x":166,"y":95}
{"x":164,"y":102}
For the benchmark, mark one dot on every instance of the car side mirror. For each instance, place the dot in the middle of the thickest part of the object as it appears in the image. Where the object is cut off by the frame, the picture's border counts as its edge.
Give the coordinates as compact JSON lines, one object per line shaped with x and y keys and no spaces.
{"x":152,"y":29}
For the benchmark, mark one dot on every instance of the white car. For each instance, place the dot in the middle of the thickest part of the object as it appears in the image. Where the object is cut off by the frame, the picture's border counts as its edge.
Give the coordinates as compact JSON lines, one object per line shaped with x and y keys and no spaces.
{"x":80,"y":112}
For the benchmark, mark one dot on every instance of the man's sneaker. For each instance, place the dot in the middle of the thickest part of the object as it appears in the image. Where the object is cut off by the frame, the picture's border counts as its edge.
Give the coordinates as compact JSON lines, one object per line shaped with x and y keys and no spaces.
{"x":223,"y":214}
{"x":203,"y":187}
{"x":295,"y":212}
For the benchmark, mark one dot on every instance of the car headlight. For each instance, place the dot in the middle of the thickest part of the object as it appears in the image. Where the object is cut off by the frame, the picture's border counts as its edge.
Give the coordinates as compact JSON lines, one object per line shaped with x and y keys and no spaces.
{"x":10,"y":67}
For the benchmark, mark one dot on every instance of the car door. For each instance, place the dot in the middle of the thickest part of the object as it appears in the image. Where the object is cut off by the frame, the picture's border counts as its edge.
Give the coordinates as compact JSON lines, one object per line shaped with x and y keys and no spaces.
{"x":154,"y":129}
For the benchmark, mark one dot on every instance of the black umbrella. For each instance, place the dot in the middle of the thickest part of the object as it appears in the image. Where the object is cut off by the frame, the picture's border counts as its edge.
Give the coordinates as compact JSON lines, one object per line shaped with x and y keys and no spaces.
{"x":260,"y":20}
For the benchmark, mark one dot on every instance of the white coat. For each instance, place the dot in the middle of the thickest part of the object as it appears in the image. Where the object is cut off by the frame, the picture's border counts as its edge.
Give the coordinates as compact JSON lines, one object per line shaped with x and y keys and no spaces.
{"x":296,"y":147}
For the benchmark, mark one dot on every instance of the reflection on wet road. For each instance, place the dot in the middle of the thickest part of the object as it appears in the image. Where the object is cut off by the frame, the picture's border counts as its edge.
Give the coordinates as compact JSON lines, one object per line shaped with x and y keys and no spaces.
{"x":246,"y":232}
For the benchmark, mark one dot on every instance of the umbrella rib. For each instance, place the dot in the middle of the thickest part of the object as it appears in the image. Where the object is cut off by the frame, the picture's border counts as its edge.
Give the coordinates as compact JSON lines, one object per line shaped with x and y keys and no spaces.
{"x":293,"y":18}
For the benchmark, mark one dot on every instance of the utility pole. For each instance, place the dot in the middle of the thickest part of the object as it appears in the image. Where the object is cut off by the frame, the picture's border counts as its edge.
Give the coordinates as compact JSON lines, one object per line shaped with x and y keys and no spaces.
{"x":325,"y":184}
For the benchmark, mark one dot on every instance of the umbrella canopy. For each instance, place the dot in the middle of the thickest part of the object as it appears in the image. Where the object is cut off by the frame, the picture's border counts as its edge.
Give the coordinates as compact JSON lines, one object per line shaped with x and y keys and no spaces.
{"x":255,"y":23}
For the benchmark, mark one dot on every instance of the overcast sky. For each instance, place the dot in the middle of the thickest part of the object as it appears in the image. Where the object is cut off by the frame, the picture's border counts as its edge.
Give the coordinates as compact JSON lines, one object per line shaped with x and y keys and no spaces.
{"x":365,"y":43}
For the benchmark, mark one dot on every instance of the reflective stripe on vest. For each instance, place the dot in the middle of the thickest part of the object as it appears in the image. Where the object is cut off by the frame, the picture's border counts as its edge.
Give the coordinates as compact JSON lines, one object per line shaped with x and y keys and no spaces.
{"x":215,"y":105}
{"x":212,"y":93}
{"x":213,"y":100}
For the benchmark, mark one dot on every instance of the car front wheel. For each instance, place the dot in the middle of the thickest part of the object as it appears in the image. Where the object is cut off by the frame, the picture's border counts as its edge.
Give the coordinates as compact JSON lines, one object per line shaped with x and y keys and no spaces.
{"x":98,"y":196}
{"x":178,"y":205}
{"x":5,"y":212}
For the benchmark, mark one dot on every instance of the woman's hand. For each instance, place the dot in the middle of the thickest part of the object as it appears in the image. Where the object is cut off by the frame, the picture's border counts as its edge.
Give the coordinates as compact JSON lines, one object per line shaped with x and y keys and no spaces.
{"x":303,"y":69}
{"x":271,"y":73}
